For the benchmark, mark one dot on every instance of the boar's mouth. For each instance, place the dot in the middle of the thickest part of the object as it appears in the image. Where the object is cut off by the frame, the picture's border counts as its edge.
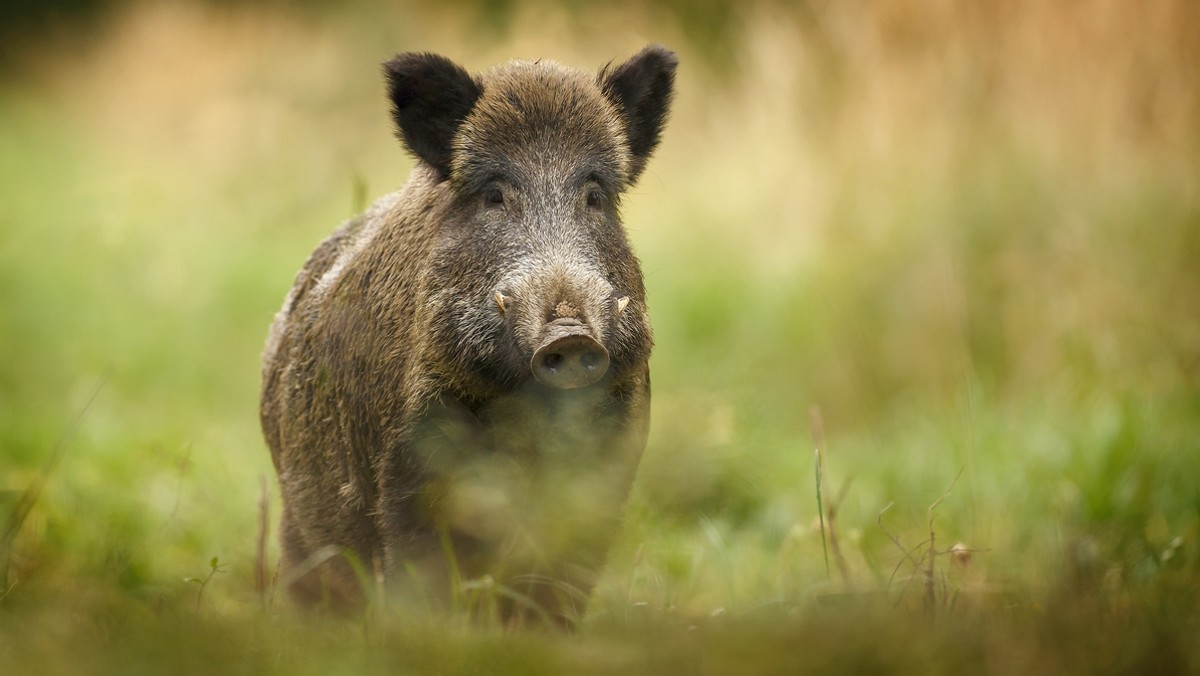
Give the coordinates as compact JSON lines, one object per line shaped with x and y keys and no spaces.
{"x":569,"y":357}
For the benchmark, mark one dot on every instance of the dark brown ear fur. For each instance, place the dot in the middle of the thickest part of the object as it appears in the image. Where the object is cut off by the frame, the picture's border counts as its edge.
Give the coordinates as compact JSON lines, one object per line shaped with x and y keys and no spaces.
{"x":431,"y":95}
{"x":641,"y":88}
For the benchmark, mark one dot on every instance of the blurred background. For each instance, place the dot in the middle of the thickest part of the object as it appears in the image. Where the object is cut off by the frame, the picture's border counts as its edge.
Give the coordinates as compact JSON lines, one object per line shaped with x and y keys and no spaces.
{"x":969,"y":233}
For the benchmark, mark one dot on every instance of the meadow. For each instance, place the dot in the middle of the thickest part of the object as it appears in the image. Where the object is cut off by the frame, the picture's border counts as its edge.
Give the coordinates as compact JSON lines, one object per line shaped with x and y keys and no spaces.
{"x":955,"y":246}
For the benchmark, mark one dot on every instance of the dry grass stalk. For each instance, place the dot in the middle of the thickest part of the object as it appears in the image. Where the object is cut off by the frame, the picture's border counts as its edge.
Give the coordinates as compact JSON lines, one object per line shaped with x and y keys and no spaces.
{"x":827,"y":515}
{"x":262,"y":581}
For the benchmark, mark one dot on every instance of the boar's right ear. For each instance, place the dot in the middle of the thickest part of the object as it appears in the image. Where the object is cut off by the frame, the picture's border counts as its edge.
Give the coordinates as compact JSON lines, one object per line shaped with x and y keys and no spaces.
{"x":641,"y":88}
{"x":431,"y":95}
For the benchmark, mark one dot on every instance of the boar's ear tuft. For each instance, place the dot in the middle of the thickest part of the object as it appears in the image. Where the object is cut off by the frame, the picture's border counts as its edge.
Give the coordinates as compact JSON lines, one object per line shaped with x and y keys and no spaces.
{"x":641,"y":88}
{"x":431,"y":95}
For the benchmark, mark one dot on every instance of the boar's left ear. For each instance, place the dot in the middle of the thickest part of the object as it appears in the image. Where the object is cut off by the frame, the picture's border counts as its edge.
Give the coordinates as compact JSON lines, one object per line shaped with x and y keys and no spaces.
{"x":431,"y":95}
{"x":641,"y":88}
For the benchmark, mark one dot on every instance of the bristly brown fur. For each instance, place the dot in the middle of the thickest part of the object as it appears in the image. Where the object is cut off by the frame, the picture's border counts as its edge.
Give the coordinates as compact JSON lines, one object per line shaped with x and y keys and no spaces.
{"x":398,"y":400}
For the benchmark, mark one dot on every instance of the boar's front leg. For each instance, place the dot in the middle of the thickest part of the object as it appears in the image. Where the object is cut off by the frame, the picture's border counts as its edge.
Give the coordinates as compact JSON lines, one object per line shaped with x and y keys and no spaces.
{"x":417,"y":493}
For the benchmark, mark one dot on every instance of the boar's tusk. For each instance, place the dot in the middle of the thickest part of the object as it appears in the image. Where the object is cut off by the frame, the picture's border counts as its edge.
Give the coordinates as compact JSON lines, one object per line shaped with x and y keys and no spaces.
{"x":621,"y":303}
{"x":500,"y":301}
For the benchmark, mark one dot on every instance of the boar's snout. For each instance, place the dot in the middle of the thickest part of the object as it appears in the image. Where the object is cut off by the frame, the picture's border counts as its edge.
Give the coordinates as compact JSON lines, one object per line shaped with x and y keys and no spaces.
{"x":569,"y":357}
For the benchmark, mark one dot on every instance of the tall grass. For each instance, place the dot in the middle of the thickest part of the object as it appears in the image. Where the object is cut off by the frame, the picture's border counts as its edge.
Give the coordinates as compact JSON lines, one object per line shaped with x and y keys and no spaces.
{"x":967,"y":232}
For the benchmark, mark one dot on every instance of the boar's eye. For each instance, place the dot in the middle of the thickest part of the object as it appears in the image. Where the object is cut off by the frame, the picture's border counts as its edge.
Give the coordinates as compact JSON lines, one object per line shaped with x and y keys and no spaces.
{"x":493,"y":197}
{"x":595,"y":198}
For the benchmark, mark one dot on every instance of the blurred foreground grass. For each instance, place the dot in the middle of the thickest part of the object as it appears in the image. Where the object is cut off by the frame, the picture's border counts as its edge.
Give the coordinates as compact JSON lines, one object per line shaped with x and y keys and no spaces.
{"x":970,"y":234}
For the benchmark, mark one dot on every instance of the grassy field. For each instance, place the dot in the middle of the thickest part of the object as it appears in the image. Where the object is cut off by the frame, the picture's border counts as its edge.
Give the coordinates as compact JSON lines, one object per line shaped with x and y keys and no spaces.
{"x":965,"y":237}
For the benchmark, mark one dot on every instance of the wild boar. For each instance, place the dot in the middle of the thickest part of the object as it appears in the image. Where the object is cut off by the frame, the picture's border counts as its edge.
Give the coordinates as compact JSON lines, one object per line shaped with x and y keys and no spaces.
{"x":457,"y":385}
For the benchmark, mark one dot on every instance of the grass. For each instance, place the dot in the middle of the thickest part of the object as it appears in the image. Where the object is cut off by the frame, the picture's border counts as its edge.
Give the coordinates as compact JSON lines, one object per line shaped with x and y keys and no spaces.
{"x":970,"y":246}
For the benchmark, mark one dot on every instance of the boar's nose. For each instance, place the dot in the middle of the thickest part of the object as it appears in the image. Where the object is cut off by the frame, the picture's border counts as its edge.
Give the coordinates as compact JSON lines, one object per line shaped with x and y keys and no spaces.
{"x":569,"y":358}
